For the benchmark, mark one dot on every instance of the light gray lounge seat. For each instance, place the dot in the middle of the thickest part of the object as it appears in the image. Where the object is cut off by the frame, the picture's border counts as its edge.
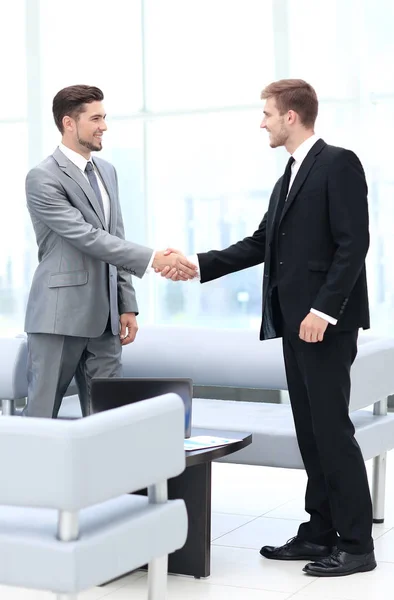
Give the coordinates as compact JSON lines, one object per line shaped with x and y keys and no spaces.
{"x":67,"y":521}
{"x":236,"y":358}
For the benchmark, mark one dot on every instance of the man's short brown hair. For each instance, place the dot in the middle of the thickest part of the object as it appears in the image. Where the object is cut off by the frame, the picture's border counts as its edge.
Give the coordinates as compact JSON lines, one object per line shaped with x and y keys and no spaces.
{"x":70,"y":101}
{"x":294,"y":94}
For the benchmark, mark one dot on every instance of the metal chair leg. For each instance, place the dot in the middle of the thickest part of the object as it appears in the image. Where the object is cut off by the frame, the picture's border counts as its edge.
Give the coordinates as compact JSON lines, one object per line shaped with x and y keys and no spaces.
{"x":157,"y":578}
{"x":157,"y":568}
{"x":379,"y":487}
{"x":67,"y":531}
{"x":379,"y":472}
{"x":7,"y":407}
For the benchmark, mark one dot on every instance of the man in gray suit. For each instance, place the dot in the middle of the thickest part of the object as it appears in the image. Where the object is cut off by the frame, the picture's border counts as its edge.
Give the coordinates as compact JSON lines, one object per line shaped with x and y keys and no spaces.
{"x":82,"y":306}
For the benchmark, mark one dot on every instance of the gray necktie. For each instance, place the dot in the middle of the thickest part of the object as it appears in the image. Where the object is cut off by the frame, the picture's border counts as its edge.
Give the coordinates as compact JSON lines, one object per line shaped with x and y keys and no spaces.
{"x":94,"y":183}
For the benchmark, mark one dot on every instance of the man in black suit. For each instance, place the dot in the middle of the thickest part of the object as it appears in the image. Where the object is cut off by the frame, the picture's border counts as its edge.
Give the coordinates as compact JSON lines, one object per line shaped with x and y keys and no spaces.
{"x":313,"y":241}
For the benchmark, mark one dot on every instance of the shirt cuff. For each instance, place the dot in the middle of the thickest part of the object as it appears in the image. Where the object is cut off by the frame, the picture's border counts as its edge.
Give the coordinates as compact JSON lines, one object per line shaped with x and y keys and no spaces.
{"x":194,"y":259}
{"x":327,"y":318}
{"x":148,"y":268}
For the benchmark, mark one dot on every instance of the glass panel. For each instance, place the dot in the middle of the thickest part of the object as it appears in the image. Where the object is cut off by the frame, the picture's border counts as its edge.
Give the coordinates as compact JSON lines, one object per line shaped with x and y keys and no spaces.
{"x":209,"y":182}
{"x":208,"y":177}
{"x":13,"y":62}
{"x":202,"y":53}
{"x":378,"y":46}
{"x":106,"y":51}
{"x":17,"y":260}
{"x":381,"y":208}
{"x":338,"y":123}
{"x":123,"y":147}
{"x":323,"y":50}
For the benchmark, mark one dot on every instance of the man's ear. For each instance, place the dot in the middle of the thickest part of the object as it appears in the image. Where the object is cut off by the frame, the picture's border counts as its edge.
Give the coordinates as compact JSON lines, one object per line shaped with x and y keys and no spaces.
{"x":291,"y":117}
{"x":68,"y":123}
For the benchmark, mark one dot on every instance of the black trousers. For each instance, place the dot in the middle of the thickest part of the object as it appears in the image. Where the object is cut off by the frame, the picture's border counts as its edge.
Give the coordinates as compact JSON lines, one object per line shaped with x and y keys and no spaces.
{"x":337,"y":496}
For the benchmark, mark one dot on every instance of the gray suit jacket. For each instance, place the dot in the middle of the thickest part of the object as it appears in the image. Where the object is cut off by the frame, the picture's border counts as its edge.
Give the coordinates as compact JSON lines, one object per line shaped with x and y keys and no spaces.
{"x":84,"y":267}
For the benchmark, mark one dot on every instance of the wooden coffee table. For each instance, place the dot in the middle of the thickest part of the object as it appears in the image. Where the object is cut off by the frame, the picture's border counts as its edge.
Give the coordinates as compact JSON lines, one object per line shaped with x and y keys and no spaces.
{"x":194,"y":487}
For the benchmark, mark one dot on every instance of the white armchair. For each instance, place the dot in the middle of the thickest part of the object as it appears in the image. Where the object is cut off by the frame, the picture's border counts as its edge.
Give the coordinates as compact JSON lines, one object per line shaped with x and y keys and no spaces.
{"x":67,"y":519}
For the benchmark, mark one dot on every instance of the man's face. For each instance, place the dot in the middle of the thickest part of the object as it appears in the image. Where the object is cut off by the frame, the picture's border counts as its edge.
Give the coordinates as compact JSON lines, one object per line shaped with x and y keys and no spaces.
{"x":90,"y":126}
{"x":275,"y":124}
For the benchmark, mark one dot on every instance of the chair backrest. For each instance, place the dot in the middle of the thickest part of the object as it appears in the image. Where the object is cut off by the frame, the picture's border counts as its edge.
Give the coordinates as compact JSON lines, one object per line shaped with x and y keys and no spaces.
{"x":236,"y":358}
{"x":372,"y":372}
{"x":69,"y":465}
{"x":222,"y":357}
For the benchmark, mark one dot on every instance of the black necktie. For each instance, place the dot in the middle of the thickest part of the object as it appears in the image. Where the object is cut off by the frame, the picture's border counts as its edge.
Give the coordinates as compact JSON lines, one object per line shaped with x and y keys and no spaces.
{"x":94,"y":183}
{"x":279,"y":210}
{"x":283,"y":191}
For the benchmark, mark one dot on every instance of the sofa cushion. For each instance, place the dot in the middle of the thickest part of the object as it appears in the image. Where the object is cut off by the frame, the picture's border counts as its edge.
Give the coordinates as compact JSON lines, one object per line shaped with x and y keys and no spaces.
{"x":115,"y":537}
{"x":274,"y":440}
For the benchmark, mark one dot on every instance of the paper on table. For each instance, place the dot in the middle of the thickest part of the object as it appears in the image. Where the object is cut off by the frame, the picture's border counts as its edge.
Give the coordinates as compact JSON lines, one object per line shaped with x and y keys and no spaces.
{"x":199,"y":442}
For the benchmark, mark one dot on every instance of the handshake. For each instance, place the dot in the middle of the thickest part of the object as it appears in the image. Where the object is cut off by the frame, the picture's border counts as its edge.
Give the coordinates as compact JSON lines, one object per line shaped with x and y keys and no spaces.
{"x":172,"y":264}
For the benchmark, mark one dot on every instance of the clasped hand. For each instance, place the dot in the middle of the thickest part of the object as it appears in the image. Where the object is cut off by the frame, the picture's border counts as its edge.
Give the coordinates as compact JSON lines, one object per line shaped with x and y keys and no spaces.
{"x":172,"y":264}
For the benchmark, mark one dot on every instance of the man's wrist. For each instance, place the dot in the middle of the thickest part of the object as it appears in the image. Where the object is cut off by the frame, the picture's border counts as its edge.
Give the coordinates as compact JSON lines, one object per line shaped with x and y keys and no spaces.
{"x":150,"y":263}
{"x":322,"y":315}
{"x":193,"y":258}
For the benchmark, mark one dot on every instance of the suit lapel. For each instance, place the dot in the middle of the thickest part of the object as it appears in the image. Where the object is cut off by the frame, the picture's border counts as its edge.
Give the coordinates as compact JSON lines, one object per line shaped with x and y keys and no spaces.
{"x":111,"y":195}
{"x":76,"y":175}
{"x":302,"y":174}
{"x":275,"y":193}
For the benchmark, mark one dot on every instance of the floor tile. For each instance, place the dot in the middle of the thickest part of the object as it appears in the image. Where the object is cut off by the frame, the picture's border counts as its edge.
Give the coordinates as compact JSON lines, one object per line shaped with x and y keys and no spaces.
{"x":302,"y":596}
{"x":122,"y":581}
{"x":240,"y":567}
{"x":222,"y":523}
{"x":384,"y":547}
{"x":182,"y":588}
{"x":257,"y":489}
{"x":260,"y":532}
{"x":13,"y":593}
{"x":295,"y":510}
{"x":290,"y":510}
{"x":375,"y":585}
{"x":379,"y":530}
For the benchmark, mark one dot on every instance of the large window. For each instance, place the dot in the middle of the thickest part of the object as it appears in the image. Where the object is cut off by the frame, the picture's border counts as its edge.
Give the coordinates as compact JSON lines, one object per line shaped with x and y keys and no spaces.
{"x":209,"y":181}
{"x":207,"y":53}
{"x":182,"y":81}
{"x":15,"y":243}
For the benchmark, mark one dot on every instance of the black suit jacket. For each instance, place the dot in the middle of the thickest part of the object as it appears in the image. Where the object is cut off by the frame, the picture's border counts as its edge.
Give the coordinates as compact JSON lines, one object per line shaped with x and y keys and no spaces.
{"x":321,"y":247}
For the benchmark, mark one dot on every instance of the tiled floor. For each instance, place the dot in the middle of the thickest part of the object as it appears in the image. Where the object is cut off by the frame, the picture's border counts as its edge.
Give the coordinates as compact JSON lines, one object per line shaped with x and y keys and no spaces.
{"x":253,"y":506}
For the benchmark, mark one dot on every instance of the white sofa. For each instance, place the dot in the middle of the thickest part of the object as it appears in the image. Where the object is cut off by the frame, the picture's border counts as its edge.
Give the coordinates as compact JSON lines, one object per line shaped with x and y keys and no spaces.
{"x":236,"y":358}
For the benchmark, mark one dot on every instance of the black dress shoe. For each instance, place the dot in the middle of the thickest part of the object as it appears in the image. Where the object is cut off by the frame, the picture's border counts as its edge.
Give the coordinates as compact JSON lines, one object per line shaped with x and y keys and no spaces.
{"x":341,"y":563}
{"x":296,"y":549}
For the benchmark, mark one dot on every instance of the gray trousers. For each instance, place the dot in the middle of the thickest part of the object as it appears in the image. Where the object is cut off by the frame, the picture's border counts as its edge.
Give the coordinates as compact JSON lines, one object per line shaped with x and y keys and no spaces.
{"x":53,"y":360}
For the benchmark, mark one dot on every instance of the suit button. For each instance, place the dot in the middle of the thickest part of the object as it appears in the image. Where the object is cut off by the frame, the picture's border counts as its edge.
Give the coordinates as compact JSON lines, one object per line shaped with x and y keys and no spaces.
{"x":283,"y":234}
{"x":281,"y":263}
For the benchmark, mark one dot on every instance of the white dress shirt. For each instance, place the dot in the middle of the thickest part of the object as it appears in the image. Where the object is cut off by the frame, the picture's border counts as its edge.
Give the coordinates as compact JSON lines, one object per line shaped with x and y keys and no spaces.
{"x":299,"y":155}
{"x":81,"y":162}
